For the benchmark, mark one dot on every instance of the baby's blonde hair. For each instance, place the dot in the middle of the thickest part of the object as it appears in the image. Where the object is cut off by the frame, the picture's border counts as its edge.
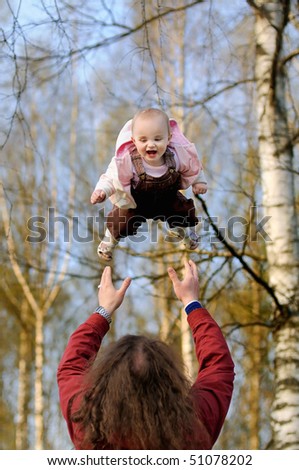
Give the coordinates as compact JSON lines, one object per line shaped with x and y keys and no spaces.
{"x":151,"y":112}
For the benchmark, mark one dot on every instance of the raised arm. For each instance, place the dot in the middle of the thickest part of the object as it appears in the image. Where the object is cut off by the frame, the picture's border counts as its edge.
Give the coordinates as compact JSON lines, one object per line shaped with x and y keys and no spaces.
{"x":213,"y":387}
{"x":86,"y":341}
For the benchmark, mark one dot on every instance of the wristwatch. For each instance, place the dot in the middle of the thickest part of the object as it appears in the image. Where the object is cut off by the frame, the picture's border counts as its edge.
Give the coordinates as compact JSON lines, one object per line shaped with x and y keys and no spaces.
{"x":103,"y":312}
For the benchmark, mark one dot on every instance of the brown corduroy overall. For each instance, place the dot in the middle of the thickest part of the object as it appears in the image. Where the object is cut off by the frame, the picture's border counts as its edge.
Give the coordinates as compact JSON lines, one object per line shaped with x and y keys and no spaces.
{"x":156,"y":198}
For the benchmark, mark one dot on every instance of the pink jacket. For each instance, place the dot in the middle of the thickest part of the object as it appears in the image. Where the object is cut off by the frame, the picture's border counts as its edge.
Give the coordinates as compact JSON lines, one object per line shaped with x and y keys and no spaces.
{"x":116,"y":181}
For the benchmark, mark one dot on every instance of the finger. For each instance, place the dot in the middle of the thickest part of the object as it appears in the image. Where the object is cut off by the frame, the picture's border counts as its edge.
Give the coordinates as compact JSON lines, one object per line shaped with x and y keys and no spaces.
{"x":173,"y":275}
{"x":102,"y":277}
{"x":123,"y":288}
{"x":188,"y":269}
{"x":106,"y":276}
{"x":193,"y":268}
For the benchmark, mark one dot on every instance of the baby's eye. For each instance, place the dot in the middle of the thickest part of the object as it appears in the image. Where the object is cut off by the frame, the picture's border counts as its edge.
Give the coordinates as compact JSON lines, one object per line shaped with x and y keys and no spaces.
{"x":158,"y":138}
{"x":142,"y":140}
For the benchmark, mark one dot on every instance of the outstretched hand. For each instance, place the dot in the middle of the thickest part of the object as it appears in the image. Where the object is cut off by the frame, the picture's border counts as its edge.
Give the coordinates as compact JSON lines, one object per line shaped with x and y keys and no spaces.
{"x":199,"y":188}
{"x":97,"y":196}
{"x":109,"y":297}
{"x":186,"y":289}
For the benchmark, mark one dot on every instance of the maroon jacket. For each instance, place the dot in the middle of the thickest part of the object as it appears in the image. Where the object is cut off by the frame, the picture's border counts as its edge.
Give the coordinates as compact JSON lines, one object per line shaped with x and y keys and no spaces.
{"x":211,"y":391}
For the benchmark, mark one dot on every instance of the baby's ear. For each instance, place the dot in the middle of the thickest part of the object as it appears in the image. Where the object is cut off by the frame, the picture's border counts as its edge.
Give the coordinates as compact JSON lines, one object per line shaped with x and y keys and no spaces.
{"x":133,"y":140}
{"x":169,"y":137}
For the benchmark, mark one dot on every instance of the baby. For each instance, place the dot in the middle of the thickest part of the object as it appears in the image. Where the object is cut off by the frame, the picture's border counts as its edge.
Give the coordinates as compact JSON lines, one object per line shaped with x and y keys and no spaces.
{"x":152,"y":163}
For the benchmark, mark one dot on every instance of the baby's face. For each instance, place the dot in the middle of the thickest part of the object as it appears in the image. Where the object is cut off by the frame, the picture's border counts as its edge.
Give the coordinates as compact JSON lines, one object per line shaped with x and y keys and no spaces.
{"x":151,"y":137}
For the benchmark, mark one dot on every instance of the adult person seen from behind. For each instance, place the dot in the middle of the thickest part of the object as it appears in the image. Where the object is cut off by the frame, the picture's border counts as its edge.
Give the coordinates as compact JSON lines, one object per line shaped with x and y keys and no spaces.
{"x":134,"y":393}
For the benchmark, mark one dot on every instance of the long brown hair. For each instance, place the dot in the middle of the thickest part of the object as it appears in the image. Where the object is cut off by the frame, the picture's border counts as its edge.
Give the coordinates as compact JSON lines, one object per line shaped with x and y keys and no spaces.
{"x":138,"y":397}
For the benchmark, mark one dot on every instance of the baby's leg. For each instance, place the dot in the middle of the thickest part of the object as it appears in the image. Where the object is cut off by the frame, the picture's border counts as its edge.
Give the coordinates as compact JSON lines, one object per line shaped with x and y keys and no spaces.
{"x":181,"y":221}
{"x":123,"y":222}
{"x":120,"y":223}
{"x":186,"y":234}
{"x":107,"y":245}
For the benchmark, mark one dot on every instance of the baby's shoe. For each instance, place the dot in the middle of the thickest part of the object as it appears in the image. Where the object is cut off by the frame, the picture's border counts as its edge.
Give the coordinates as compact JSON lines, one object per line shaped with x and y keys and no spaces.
{"x":178,"y":233}
{"x":188,"y":236}
{"x":105,"y":251}
{"x":191,"y":240}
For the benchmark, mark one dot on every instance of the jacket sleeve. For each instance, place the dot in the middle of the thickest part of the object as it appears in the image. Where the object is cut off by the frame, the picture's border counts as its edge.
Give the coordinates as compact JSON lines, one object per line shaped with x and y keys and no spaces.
{"x":189,"y":164}
{"x":116,"y":181}
{"x":212,"y":390}
{"x":106,"y":180}
{"x":201,"y":178}
{"x":82,"y":347}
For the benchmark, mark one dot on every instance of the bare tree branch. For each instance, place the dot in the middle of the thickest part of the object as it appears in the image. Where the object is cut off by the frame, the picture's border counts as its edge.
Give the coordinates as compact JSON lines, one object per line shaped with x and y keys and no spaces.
{"x":289,"y":57}
{"x":193,"y":103}
{"x":112,"y":39}
{"x":240,"y":258}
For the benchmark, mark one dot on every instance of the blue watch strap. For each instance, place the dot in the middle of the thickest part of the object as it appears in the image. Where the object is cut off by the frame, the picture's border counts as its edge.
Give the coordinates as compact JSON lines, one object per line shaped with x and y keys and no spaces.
{"x":192,"y":306}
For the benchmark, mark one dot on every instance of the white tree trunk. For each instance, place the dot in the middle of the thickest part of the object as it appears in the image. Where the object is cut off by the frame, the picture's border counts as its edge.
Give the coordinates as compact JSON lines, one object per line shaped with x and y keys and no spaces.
{"x":22,"y":434}
{"x":187,"y":346}
{"x":276,"y":159}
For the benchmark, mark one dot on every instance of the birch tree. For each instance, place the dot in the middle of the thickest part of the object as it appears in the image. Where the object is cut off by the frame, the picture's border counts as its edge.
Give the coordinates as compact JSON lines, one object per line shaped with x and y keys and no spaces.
{"x":39,"y":290}
{"x":277,"y":173}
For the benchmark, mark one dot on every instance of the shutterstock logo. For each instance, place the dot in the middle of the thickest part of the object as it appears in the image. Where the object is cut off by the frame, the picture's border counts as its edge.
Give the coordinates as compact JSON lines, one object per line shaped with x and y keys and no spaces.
{"x":54,"y":227}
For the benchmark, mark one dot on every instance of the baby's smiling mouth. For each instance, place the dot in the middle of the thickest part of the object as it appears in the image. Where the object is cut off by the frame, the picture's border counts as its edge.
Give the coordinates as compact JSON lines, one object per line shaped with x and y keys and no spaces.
{"x":151,"y":152}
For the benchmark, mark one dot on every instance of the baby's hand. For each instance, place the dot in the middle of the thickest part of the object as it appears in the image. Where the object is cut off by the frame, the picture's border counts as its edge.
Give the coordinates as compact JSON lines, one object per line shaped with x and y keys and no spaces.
{"x":200,"y":188}
{"x":97,"y":196}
